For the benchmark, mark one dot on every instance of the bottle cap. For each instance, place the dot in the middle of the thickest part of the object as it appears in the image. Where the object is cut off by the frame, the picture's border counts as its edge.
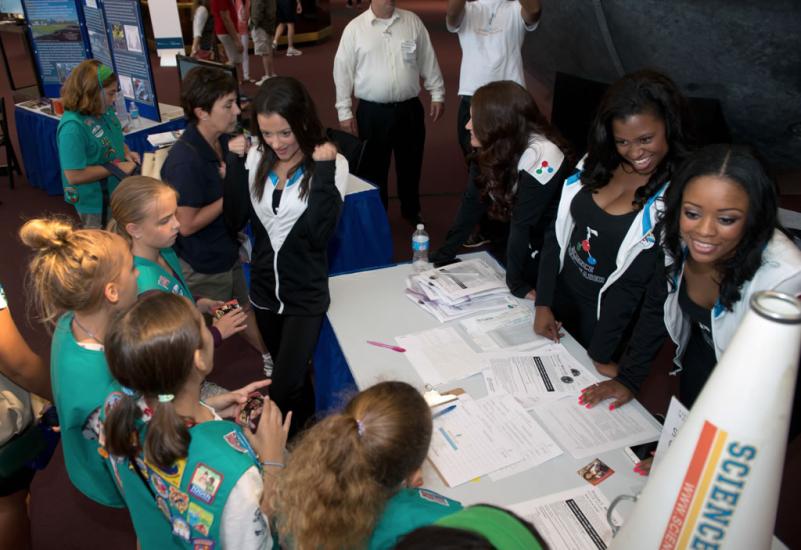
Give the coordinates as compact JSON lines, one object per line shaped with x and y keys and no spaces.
{"x":420,"y":226}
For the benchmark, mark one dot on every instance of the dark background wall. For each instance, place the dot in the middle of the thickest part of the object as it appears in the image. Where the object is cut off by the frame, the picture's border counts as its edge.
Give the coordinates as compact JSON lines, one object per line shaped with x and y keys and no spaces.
{"x":745,"y":53}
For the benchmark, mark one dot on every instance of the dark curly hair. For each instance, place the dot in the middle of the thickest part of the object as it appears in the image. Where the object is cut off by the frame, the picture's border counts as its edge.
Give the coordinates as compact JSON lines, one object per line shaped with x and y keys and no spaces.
{"x":287,"y":97}
{"x":504,"y":117}
{"x":644,"y":91}
{"x":741,"y":165}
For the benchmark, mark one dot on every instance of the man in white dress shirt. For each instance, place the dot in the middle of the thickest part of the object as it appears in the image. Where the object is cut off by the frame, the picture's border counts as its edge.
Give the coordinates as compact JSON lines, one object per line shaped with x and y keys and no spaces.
{"x":382,"y":55}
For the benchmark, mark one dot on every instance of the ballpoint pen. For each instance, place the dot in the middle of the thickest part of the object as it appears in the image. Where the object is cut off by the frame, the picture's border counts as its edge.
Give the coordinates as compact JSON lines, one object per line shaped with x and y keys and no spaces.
{"x":386,"y":346}
{"x":443,"y":412}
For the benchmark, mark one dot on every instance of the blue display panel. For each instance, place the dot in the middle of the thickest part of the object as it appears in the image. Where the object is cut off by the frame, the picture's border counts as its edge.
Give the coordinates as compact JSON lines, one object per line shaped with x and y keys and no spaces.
{"x":131,"y":58}
{"x":58,"y":40}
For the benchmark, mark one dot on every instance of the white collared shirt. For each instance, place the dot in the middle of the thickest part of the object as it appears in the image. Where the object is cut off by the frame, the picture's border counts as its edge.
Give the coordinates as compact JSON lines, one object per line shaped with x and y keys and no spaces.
{"x":382,"y":60}
{"x":491,"y":34}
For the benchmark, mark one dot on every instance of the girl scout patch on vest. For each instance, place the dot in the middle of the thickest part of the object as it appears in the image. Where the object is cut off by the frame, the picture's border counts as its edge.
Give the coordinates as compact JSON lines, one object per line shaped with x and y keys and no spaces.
{"x":171,"y":475}
{"x":202,"y":544}
{"x":179,"y":500}
{"x":164,"y":282}
{"x":199,"y":519}
{"x":433,"y":497}
{"x":205,"y":483}
{"x":162,"y":504}
{"x":180,"y":529}
{"x":159,"y":485}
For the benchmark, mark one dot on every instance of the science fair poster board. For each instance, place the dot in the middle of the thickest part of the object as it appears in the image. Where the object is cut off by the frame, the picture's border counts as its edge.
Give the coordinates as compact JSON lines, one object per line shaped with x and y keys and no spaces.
{"x":63,"y":33}
{"x":58,"y":40}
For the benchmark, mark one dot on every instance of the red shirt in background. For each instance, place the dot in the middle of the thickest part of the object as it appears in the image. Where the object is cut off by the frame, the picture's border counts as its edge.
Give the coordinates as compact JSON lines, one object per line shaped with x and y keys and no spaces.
{"x":218,"y":6}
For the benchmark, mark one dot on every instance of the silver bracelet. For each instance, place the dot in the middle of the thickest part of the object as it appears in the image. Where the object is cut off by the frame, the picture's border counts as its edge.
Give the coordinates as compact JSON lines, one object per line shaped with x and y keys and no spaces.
{"x":276,"y":464}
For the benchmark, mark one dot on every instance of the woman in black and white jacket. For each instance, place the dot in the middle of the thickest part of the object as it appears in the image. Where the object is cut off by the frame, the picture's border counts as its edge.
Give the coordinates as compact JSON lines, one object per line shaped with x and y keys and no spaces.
{"x":291,"y":187}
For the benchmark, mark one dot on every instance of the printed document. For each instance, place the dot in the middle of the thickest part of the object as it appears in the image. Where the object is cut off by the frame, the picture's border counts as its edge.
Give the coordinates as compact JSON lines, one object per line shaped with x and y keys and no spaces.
{"x":586,"y":432}
{"x":674,"y":420}
{"x":508,"y":329}
{"x":573,"y":519}
{"x":467,"y":443}
{"x":549,"y":373}
{"x":537,"y":446}
{"x":459,"y":281}
{"x":441,"y":355}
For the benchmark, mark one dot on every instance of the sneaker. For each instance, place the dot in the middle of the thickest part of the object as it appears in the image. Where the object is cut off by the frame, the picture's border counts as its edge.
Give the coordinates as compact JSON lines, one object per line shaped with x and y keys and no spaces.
{"x":268,"y":365}
{"x":475,"y":240}
{"x":263,"y":79}
{"x":293,"y":51}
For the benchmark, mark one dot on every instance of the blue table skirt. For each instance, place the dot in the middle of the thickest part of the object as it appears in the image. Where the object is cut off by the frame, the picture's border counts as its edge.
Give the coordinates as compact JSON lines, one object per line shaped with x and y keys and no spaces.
{"x":37,"y":142}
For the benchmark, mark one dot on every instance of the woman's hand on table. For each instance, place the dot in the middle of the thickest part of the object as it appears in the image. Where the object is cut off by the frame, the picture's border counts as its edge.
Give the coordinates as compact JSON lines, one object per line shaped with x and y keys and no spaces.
{"x":611,"y":389}
{"x":545,"y":324}
{"x":326,"y":151}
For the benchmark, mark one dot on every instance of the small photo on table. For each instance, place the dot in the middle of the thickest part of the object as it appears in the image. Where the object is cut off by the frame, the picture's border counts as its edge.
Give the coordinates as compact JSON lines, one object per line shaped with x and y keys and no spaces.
{"x":595,"y":472}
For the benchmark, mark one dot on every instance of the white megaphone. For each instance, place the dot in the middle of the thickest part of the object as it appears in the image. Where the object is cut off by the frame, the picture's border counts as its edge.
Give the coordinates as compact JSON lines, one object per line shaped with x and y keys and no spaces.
{"x":718,"y":485}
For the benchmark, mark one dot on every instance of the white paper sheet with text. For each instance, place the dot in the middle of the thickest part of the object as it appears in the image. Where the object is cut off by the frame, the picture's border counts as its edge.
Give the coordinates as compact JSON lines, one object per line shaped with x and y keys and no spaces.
{"x":534,"y":442}
{"x":508,"y":329}
{"x":467,"y":443}
{"x":586,"y":432}
{"x":570,"y":520}
{"x":549,"y":373}
{"x":674,"y":420}
{"x":440,"y":355}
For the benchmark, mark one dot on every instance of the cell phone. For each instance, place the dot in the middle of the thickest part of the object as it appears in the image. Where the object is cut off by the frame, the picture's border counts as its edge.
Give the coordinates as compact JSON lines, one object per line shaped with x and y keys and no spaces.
{"x":225,"y":308}
{"x":250,"y":413}
{"x":636,"y":453}
{"x":443,"y":263}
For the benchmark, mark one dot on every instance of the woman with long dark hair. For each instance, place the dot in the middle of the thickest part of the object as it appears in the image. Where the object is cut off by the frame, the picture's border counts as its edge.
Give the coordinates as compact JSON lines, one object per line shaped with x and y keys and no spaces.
{"x":517,"y":168}
{"x":291,"y":188}
{"x":722,"y":243}
{"x":602,"y":254}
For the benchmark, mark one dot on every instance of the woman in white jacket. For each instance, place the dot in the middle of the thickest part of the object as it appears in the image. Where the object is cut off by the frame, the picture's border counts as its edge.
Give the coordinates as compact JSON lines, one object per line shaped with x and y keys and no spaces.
{"x":721,"y":244}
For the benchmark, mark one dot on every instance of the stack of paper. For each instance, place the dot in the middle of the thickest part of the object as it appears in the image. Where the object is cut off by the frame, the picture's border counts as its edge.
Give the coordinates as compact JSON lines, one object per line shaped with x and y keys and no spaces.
{"x":164,"y":139}
{"x":459,"y":289}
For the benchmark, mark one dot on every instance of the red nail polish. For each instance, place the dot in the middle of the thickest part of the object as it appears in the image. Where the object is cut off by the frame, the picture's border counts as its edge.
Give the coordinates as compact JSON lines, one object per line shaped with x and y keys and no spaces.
{"x":583,"y":390}
{"x":587,"y":405}
{"x":611,"y":407}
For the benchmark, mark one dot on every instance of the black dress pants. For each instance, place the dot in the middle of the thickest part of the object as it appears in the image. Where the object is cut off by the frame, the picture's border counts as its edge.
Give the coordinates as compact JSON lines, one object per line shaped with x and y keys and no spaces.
{"x":397,"y":128}
{"x":291,"y":340}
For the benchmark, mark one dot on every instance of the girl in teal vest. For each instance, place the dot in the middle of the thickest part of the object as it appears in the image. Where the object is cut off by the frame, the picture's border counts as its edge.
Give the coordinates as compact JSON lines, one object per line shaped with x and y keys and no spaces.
{"x":79,"y":280}
{"x":89,"y":136}
{"x":354,"y":479}
{"x":143,"y":211}
{"x":190,"y":479}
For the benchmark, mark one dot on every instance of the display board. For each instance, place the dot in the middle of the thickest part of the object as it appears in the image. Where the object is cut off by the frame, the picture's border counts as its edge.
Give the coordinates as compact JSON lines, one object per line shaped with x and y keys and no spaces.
{"x":131,"y":58}
{"x":58,"y":40}
{"x":63,"y":33}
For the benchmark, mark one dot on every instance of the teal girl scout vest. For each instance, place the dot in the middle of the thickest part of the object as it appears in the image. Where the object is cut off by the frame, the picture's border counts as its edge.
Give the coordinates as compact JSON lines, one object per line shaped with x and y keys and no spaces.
{"x":154,"y":277}
{"x":182,"y":507}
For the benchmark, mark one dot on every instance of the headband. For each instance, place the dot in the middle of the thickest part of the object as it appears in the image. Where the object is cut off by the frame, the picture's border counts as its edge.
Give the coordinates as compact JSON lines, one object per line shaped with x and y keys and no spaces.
{"x":504,"y":531}
{"x":103,"y":73}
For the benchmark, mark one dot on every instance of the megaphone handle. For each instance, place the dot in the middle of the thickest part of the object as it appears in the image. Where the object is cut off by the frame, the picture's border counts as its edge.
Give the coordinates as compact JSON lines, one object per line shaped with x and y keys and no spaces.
{"x":609,"y":511}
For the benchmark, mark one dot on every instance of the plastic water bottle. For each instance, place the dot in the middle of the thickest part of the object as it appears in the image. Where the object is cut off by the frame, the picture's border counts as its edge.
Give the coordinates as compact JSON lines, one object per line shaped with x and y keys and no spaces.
{"x":134,"y":116}
{"x":420,"y":249}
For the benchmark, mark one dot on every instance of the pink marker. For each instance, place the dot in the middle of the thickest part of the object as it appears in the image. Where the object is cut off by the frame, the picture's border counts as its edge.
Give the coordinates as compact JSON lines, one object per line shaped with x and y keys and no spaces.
{"x":387,"y":346}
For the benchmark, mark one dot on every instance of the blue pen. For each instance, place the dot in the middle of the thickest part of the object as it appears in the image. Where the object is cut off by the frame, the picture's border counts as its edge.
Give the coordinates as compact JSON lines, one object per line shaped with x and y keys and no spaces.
{"x":444,"y":411}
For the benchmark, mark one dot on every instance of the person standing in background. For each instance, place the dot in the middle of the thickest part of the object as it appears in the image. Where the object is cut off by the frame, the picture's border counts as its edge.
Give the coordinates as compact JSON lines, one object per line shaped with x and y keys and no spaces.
{"x":242,"y":15}
{"x":262,"y":28}
{"x":491,"y":33}
{"x":202,"y":31}
{"x":382,"y":55}
{"x":225,"y":27}
{"x":286,"y":18}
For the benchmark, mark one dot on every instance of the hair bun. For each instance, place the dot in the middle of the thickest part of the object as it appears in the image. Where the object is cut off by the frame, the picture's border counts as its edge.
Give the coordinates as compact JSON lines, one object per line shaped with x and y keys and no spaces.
{"x":44,"y":234}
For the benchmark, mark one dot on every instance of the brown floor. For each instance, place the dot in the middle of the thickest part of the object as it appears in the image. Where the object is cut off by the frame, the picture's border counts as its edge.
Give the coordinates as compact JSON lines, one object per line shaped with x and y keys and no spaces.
{"x":63,"y":518}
